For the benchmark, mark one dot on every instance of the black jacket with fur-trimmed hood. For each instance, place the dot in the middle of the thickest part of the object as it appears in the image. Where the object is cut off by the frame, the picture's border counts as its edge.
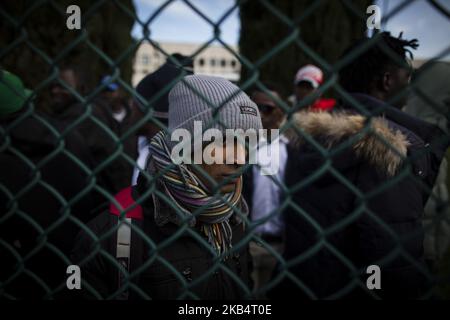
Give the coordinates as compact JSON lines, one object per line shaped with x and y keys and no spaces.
{"x":362,"y":205}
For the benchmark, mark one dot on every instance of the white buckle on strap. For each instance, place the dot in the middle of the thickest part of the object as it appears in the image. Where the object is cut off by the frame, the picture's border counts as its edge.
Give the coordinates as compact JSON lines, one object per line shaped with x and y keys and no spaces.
{"x":124,"y":239}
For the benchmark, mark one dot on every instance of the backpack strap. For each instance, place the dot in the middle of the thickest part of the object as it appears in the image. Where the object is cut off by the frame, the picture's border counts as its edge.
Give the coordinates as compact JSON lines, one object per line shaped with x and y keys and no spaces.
{"x":123,"y":246}
{"x":123,"y":249}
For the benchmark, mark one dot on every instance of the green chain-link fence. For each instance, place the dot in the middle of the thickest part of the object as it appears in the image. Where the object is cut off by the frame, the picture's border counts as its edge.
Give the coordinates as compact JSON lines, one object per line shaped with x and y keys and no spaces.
{"x":23,"y":214}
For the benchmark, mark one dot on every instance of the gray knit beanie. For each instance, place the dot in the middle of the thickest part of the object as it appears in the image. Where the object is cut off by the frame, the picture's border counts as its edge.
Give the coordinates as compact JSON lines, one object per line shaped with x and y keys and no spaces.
{"x":198,"y":97}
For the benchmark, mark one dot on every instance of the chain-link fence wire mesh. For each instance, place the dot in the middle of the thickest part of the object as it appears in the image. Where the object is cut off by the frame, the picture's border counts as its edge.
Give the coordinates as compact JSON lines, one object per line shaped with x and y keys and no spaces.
{"x":14,"y":208}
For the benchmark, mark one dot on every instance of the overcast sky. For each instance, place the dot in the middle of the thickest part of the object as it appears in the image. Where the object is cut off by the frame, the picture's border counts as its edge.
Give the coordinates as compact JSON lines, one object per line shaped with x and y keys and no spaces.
{"x":179,"y":23}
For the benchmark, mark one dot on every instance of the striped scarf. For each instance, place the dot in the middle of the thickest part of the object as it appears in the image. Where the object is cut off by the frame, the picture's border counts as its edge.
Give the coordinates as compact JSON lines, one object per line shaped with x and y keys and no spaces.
{"x":189,"y":194}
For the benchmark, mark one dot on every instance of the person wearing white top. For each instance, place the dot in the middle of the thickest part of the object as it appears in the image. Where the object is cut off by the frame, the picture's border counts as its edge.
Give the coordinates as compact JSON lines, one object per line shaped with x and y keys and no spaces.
{"x":262,"y":186}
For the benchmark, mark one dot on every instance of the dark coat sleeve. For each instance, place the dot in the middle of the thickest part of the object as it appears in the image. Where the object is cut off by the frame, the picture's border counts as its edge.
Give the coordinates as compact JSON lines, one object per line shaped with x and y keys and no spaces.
{"x":93,"y":252}
{"x":390,"y":233}
{"x":102,"y":138}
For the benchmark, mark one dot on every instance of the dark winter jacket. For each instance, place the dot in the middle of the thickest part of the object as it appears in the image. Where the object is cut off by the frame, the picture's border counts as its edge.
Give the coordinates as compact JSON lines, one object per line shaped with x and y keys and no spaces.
{"x":150,"y":275}
{"x":101,"y":132}
{"x":42,"y":192}
{"x":363,"y":206}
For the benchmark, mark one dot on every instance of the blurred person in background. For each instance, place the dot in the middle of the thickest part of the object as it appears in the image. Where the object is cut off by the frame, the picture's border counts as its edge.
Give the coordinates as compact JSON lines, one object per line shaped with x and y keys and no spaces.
{"x":430,"y":101}
{"x":118,"y":114}
{"x":43,"y":193}
{"x":307,"y":81}
{"x":113,"y":97}
{"x":102,"y":142}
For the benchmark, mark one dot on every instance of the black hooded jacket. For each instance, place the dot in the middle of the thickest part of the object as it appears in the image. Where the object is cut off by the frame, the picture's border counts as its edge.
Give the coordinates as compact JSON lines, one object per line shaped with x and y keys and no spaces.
{"x":44,"y":188}
{"x":101,"y":134}
{"x":363,"y":205}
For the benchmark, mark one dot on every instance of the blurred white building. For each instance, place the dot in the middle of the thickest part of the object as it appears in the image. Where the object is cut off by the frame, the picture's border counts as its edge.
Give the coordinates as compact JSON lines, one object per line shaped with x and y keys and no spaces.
{"x":214,"y":60}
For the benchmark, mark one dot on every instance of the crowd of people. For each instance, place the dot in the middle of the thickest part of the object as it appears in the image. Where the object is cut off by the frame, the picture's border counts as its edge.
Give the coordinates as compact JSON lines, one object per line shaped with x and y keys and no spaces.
{"x":91,"y":182}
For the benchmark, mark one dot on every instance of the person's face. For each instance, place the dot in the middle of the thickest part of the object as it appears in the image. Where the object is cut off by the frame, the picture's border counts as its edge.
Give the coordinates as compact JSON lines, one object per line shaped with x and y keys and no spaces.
{"x":114,"y":98}
{"x":271,"y":114}
{"x":303,"y":89}
{"x":396,"y":83}
{"x":111,"y":95}
{"x":61,"y":97}
{"x":227,"y":171}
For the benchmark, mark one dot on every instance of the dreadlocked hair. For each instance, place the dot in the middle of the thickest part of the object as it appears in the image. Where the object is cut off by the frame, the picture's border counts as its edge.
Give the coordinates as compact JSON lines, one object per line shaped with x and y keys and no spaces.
{"x":367,"y":67}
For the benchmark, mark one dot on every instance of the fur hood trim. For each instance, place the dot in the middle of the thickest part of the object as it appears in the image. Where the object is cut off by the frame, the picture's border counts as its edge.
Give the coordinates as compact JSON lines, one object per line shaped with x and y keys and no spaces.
{"x":382,"y":146}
